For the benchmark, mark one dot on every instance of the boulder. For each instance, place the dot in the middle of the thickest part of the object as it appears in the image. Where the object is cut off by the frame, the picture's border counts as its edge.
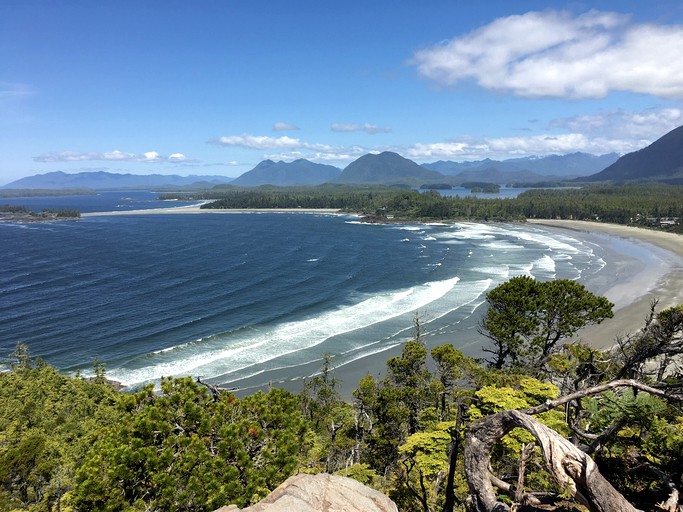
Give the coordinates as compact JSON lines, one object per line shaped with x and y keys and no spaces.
{"x":320,"y":493}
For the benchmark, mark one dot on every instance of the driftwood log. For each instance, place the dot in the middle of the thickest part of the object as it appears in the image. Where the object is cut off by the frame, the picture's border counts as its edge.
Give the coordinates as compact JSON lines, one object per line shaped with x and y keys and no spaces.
{"x":572,"y":469}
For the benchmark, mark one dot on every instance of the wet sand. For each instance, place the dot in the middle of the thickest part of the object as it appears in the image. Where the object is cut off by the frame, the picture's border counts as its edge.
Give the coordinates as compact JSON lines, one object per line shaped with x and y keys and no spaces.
{"x":196,"y":210}
{"x":633,"y":295}
{"x":655,"y":273}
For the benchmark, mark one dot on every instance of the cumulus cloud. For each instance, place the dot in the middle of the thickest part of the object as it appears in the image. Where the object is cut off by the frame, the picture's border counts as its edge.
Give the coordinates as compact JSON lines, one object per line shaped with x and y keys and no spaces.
{"x":283,"y":127}
{"x":618,"y":124}
{"x":502,"y":148}
{"x":557,"y":54}
{"x":258,"y":142}
{"x":339,"y":156}
{"x":354,"y":127}
{"x":614,"y":131}
{"x":263,"y":142}
{"x":111,"y":156}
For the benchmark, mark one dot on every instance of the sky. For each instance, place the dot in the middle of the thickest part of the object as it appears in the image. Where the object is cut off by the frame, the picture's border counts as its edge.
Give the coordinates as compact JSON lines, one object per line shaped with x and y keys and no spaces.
{"x":213,"y":87}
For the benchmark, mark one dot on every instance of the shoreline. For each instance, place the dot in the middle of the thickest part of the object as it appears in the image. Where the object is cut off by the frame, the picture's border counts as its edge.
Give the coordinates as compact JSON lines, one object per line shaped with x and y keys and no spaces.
{"x":633,"y":295}
{"x":658,"y":275}
{"x":197,"y":210}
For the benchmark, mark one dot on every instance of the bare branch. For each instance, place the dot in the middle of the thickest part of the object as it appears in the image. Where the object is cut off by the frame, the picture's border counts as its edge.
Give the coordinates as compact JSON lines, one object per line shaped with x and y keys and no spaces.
{"x":622,"y":383}
{"x":572,"y":469}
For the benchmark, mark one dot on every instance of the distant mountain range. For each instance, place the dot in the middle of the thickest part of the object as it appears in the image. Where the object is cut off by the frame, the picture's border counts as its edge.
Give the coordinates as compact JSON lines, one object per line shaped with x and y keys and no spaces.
{"x":531,"y":168}
{"x":298,"y":172}
{"x":101,"y":180}
{"x":660,"y":161}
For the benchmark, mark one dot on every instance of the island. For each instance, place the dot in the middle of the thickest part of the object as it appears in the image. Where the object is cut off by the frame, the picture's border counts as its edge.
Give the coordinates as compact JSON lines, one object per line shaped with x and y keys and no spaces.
{"x":12,"y":213}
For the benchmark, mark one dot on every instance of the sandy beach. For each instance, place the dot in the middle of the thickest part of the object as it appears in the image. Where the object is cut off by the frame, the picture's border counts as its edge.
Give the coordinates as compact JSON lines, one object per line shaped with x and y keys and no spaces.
{"x":654,"y":273}
{"x":196,"y":210}
{"x":659,"y":277}
{"x":633,"y":295}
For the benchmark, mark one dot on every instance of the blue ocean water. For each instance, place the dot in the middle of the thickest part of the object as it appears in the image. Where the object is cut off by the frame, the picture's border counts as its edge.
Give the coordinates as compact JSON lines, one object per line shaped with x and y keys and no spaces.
{"x":245,"y":299}
{"x":99,"y":202}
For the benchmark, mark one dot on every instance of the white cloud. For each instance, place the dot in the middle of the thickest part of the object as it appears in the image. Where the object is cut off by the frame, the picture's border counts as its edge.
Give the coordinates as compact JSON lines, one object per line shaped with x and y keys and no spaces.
{"x":502,"y":148}
{"x":555,"y":54}
{"x":263,"y":142}
{"x":342,"y":155}
{"x":177,"y":157}
{"x":648,"y":125}
{"x":355,"y":127}
{"x":282,"y":127}
{"x":615,"y":131}
{"x":111,"y":156}
{"x":259,"y":142}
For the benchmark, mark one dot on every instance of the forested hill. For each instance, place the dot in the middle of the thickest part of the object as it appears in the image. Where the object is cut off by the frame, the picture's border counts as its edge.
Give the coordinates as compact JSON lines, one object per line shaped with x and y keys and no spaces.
{"x":387,"y":168}
{"x":298,"y":172}
{"x":660,"y":161}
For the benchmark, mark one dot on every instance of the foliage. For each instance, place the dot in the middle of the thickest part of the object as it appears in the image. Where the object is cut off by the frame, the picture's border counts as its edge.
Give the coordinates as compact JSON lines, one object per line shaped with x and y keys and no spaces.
{"x":10,"y":208}
{"x":527,"y":318}
{"x":22,"y":211}
{"x":47,"y":423}
{"x":641,"y":205}
{"x":526,"y":392}
{"x":188,"y":449}
{"x":67,"y":443}
{"x":40,"y":192}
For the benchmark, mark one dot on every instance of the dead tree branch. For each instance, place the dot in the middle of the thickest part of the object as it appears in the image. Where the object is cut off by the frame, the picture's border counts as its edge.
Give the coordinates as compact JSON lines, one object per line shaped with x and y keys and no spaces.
{"x":570,"y":467}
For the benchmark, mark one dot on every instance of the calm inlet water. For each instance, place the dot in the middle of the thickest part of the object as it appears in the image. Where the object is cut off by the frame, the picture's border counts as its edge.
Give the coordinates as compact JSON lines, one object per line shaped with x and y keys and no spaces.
{"x":244,"y":299}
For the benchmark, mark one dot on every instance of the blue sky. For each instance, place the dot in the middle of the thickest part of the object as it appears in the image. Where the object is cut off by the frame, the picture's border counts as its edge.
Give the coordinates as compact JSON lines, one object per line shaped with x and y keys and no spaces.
{"x":214,"y":87}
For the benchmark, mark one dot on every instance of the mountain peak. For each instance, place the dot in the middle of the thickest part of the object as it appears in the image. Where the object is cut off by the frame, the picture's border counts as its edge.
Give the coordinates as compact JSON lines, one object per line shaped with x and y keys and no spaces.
{"x":386,"y":167}
{"x":298,"y":172}
{"x":660,"y":161}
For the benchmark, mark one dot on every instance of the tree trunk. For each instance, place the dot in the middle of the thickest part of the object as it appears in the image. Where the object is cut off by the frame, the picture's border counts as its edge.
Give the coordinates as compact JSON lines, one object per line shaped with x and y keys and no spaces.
{"x":449,"y":503}
{"x":572,"y":469}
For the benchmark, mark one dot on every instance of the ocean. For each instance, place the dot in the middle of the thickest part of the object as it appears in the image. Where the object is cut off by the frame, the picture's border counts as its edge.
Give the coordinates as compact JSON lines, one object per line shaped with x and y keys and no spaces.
{"x":244,"y":300}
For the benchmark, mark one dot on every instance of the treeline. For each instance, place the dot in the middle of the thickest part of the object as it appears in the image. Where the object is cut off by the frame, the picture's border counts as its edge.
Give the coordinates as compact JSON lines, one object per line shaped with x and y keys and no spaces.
{"x":71,"y":443}
{"x":40,"y":192}
{"x":14,"y":211}
{"x":628,"y":204}
{"x":646,"y":205}
{"x":341,"y":197}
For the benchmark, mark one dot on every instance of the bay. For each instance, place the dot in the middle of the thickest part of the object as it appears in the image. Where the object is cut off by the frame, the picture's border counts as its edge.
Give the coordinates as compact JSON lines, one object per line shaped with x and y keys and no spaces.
{"x":244,"y":300}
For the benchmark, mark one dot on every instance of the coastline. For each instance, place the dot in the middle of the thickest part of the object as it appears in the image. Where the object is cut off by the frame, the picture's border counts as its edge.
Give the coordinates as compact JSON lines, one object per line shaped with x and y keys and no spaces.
{"x":657,"y":277}
{"x":660,"y":279}
{"x":197,"y":210}
{"x":654,"y":273}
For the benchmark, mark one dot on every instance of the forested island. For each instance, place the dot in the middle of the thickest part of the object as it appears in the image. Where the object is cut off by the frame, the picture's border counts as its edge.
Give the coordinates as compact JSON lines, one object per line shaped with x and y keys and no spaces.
{"x":45,"y":192}
{"x":538,"y":424}
{"x":12,"y":213}
{"x":648,"y":205}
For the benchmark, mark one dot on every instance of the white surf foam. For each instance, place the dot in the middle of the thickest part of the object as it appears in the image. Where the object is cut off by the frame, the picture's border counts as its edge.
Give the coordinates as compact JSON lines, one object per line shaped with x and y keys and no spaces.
{"x":234,"y":351}
{"x":544,"y":267}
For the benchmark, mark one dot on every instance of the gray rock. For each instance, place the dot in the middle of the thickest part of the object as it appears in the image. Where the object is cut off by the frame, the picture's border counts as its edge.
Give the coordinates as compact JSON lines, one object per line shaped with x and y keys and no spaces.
{"x":320,"y":493}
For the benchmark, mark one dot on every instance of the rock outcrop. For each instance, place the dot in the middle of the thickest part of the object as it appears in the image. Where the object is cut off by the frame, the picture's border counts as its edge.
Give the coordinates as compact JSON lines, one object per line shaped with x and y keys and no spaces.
{"x":320,"y":493}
